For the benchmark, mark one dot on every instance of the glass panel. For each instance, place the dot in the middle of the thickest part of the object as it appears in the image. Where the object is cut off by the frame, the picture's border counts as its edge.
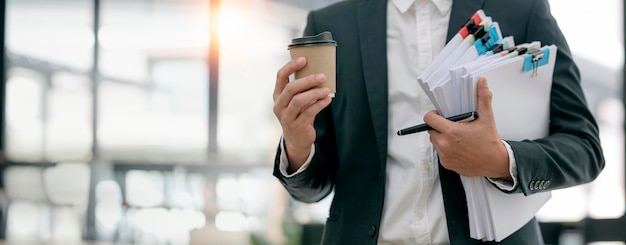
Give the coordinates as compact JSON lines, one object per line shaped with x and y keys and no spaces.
{"x":68,"y":129}
{"x":42,"y":39}
{"x":24,"y":130}
{"x":56,"y":31}
{"x":121,"y":119}
{"x":136,"y":124}
{"x":154,"y":94}
{"x":133,"y":33}
{"x":601,"y":70}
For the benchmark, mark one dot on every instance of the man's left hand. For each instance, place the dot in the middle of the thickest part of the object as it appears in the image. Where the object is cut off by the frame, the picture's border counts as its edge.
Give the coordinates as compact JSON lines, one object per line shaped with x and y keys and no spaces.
{"x":471,"y":148}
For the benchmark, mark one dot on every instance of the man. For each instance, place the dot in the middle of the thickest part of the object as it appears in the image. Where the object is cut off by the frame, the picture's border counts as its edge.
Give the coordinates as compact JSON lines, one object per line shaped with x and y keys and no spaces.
{"x":394,"y":190}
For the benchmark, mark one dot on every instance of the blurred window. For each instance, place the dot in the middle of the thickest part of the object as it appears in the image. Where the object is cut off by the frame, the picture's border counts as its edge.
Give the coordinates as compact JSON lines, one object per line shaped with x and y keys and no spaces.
{"x":601,"y":69}
{"x":49,"y":48}
{"x":152,"y":90}
{"x":152,"y":96}
{"x":24,"y":128}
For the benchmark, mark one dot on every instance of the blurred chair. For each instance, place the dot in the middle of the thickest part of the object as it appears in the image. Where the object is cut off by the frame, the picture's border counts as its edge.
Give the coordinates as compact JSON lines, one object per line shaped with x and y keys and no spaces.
{"x":67,"y":187}
{"x":27,"y":211}
{"x":209,"y":234}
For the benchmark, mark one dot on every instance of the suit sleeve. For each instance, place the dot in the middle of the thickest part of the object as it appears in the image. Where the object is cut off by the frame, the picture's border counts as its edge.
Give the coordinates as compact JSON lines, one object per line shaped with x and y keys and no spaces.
{"x":571,"y":154}
{"x":317,"y":180}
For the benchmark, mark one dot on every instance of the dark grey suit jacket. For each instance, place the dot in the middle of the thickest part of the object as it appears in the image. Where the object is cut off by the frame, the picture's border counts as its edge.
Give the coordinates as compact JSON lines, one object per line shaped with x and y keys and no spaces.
{"x":351,"y":145}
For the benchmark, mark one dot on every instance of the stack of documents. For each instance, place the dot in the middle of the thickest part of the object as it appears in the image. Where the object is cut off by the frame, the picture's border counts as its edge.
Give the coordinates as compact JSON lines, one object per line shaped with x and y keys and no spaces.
{"x":520,"y":78}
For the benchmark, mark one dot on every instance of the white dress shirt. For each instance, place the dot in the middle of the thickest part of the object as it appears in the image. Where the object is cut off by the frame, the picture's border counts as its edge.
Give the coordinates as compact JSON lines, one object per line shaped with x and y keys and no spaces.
{"x":414,"y":210}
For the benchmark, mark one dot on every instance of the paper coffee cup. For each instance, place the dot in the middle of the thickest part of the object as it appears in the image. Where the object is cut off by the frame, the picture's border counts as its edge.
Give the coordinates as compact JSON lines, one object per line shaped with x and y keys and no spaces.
{"x":320,"y":54}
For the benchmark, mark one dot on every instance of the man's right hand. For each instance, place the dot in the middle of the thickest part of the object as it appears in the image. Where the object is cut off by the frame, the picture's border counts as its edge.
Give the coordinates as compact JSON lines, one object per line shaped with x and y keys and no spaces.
{"x":295,"y":105}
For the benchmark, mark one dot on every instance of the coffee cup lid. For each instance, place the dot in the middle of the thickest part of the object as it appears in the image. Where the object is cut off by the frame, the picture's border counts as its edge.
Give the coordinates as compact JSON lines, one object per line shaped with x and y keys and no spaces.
{"x":324,"y":38}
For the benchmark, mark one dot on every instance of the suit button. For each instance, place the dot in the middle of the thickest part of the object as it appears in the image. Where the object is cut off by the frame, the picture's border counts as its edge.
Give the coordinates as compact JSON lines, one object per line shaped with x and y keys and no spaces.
{"x":540,"y":185}
{"x":531,"y":185}
{"x":537,"y":185}
{"x":546,"y":184}
{"x":372,"y":231}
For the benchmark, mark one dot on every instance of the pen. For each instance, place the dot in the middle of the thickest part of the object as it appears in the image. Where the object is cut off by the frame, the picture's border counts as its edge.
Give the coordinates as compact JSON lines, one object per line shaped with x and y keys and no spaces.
{"x":465,"y":117}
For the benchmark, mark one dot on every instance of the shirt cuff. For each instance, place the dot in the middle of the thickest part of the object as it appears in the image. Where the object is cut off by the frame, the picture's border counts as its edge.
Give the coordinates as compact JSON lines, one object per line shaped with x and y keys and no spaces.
{"x":506,"y":185}
{"x":284,"y":160}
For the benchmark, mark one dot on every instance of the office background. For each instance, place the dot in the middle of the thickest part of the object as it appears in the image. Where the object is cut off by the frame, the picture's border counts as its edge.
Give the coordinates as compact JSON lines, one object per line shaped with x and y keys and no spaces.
{"x":150,"y":122}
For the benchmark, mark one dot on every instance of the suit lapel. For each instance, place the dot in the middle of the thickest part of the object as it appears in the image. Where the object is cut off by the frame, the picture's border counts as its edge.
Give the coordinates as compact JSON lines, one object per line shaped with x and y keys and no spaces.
{"x":461,"y":12}
{"x":372,"y":24}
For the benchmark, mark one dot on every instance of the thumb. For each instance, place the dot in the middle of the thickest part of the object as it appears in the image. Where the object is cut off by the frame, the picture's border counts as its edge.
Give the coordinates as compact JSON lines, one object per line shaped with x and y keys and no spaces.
{"x":484,"y":99}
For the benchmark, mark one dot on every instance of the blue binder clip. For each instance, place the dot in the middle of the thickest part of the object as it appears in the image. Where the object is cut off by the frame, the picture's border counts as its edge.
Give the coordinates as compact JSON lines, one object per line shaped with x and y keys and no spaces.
{"x":535,"y":59}
{"x":481,"y":43}
{"x":487,"y":40}
{"x":494,"y":34}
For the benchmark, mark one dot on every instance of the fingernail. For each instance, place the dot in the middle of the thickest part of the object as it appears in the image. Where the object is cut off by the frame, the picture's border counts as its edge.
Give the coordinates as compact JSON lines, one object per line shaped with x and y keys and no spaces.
{"x":299,"y":60}
{"x":325,"y":90}
{"x":320,"y":77}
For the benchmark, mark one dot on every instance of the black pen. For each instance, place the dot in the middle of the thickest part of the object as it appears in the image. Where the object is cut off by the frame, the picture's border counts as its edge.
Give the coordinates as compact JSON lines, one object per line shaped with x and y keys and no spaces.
{"x":465,"y":117}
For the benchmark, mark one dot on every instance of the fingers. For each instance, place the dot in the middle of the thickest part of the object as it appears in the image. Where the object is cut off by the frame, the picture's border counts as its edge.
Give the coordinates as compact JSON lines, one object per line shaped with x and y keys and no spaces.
{"x":301,"y":102}
{"x":282,"y":77}
{"x":484,"y":99}
{"x":301,"y":85}
{"x":437,"y":122}
{"x":297,"y":96}
{"x":285,"y":90}
{"x":308,"y":114}
{"x":296,"y":103}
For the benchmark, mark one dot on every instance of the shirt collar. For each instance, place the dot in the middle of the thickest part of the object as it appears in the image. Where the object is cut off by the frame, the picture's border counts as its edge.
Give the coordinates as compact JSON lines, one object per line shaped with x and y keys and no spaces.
{"x":443,"y":6}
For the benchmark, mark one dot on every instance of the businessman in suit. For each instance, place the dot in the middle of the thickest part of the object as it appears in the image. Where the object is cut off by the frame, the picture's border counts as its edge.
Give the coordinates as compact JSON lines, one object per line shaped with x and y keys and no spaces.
{"x":396,"y":190}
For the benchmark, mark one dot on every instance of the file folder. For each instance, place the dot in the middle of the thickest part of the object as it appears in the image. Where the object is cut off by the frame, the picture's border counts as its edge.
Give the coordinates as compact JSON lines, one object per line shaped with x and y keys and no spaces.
{"x":458,"y":40}
{"x":520,"y":79}
{"x":521,"y":105}
{"x":521,"y":99}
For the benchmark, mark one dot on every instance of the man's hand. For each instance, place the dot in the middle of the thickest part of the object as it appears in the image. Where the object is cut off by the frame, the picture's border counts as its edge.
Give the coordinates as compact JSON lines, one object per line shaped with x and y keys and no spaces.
{"x":295,"y":105}
{"x":471,"y":148}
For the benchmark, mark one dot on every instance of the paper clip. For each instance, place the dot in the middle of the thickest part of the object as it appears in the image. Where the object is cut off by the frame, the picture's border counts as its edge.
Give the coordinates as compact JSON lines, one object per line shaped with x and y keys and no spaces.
{"x":534,"y":59}
{"x":537,"y":55}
